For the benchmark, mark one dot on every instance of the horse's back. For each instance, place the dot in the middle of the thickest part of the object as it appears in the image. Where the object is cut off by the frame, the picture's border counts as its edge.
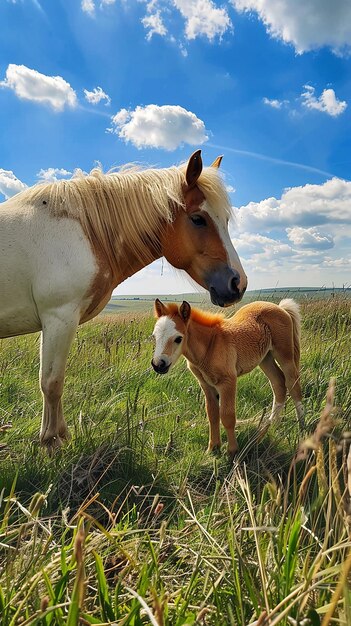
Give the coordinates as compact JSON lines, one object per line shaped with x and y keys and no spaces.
{"x":44,"y":263}
{"x":254,"y":310}
{"x":255,"y":329}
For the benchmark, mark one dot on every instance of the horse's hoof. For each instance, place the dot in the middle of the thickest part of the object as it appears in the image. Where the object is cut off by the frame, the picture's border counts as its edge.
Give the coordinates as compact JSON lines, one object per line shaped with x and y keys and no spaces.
{"x":215,"y":450}
{"x":52,"y":444}
{"x":232,"y":456}
{"x":65,"y":435}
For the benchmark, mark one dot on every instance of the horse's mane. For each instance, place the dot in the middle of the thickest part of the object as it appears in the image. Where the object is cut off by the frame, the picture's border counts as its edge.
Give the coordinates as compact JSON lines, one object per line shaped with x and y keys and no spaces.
{"x":125,"y":206}
{"x":204,"y":318}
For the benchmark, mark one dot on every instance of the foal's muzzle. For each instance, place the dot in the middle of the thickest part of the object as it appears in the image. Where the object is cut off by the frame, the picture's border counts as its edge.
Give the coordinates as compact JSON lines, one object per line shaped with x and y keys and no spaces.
{"x":224,"y":286}
{"x":161,"y":367}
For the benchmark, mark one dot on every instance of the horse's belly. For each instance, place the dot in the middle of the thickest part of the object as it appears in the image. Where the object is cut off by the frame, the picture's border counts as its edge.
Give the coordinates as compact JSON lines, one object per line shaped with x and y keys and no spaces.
{"x":18,"y":321}
{"x":18,"y":313}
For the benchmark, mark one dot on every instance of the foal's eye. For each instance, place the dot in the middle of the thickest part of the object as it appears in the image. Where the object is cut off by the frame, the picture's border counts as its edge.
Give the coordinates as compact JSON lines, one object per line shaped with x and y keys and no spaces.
{"x":178,"y":339}
{"x":198,"y":220}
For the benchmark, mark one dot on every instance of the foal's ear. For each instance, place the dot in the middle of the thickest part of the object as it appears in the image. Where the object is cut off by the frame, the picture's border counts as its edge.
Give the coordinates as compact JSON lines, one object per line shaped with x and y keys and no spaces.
{"x":159,"y":308}
{"x":185,"y":311}
{"x":216,"y":163}
{"x":194,"y":168}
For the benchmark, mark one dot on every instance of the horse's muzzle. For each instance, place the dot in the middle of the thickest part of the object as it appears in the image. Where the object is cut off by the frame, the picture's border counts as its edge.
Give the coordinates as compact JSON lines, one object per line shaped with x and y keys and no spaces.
{"x":161,"y":367}
{"x":224,"y":287}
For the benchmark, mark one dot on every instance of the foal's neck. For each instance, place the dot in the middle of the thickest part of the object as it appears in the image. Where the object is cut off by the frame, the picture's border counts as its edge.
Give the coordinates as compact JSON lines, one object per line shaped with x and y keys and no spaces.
{"x":199,"y":340}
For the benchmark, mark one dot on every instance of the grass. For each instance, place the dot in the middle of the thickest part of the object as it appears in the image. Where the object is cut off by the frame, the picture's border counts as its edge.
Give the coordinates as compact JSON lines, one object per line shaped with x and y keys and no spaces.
{"x":133,"y":523}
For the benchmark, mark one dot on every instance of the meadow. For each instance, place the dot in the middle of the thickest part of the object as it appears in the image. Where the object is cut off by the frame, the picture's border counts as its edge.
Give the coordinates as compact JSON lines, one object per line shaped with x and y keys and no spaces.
{"x":134,"y":523}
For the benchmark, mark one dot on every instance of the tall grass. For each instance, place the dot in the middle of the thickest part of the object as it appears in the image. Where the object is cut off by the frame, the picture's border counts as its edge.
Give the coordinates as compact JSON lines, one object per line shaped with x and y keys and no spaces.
{"x":133,"y":523}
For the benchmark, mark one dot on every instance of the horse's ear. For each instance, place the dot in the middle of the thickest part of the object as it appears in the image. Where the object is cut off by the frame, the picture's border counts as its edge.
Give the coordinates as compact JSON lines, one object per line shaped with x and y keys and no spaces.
{"x":216,"y":163}
{"x":194,"y":168}
{"x":159,"y":308}
{"x":185,"y":311}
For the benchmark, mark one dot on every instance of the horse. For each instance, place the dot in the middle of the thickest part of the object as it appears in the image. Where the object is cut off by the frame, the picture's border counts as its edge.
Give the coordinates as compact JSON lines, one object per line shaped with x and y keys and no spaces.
{"x":218,"y":350}
{"x":65,"y":245}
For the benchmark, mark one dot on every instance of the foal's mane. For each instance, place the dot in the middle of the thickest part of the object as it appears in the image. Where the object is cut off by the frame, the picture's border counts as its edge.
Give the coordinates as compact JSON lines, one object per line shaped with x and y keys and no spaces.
{"x":204,"y":318}
{"x":125,"y":209}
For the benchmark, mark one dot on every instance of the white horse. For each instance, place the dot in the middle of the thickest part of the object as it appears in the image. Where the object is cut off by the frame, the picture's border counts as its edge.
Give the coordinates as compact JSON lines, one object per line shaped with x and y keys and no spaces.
{"x":65,"y":246}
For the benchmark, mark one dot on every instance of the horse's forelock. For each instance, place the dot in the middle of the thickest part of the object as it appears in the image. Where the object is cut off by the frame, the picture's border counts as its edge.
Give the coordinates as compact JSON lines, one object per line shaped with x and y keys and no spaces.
{"x":211,"y":183}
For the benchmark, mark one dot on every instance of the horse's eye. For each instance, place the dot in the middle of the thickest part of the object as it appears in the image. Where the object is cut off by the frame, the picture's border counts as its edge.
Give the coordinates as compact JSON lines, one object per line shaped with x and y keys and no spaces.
{"x":198,"y":220}
{"x":178,"y":339}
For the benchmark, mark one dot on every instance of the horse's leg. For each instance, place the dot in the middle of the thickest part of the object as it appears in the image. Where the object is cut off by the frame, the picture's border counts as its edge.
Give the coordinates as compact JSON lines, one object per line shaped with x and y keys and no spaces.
{"x":58,"y":329}
{"x":212,"y":410}
{"x":227,"y":398}
{"x":277,"y":381}
{"x":292,"y":380}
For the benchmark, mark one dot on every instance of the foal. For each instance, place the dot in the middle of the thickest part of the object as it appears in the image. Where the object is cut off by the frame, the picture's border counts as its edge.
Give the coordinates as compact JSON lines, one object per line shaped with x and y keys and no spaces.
{"x":218,"y":350}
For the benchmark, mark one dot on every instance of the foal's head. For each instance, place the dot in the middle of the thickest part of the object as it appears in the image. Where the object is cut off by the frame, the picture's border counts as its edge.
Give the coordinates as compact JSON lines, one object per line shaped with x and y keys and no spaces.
{"x":198,"y":241}
{"x":169,"y":334}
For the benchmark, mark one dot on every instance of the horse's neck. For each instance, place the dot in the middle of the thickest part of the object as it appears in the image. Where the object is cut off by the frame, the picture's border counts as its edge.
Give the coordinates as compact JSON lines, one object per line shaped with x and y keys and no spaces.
{"x":131,"y":234}
{"x":130,"y":263}
{"x":199,"y":341}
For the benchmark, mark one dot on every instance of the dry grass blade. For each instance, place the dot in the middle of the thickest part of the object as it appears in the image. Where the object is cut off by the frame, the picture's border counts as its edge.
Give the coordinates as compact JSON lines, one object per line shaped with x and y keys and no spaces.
{"x":324,"y":426}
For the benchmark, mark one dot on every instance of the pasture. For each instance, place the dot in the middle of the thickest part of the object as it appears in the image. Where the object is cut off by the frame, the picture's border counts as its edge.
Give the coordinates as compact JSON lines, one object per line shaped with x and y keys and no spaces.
{"x":133,"y":523}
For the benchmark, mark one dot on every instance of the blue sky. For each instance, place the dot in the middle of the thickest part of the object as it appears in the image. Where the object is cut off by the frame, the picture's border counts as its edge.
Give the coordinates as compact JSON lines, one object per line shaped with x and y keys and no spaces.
{"x":266,"y":83}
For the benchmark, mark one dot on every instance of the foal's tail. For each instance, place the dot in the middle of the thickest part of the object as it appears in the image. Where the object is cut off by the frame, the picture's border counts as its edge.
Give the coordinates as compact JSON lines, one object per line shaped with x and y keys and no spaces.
{"x":290,"y":306}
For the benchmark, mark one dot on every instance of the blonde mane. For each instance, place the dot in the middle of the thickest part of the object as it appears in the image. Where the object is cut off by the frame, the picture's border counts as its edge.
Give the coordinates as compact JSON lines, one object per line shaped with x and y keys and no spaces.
{"x":125,"y":208}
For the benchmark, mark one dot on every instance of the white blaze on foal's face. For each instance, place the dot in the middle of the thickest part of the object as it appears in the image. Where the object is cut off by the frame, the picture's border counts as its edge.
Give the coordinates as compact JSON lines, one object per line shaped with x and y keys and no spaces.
{"x":168,"y":344}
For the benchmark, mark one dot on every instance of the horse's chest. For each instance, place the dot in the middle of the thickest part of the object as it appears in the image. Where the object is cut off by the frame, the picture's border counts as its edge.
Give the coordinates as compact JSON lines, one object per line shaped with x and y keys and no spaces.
{"x":211,"y":375}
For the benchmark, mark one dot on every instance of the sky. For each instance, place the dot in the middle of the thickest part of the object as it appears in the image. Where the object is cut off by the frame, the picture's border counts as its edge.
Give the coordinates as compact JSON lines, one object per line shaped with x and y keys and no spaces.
{"x":265,"y":83}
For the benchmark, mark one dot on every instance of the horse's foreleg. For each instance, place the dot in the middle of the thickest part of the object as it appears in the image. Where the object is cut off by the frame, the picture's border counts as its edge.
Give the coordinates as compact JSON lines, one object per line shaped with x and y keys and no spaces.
{"x":227,"y":398}
{"x":58,"y":329}
{"x":212,"y":410}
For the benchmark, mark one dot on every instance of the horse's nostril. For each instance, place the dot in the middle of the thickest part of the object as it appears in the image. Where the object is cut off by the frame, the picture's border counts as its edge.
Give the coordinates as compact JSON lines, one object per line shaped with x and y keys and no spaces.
{"x":161,"y":366}
{"x":234,"y":282}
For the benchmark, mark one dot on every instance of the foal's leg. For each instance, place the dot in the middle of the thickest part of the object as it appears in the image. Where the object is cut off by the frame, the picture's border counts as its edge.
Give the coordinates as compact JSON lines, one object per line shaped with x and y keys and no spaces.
{"x":58,"y":329}
{"x":277,"y":381}
{"x":227,"y":397}
{"x":292,"y":380}
{"x":212,"y":410}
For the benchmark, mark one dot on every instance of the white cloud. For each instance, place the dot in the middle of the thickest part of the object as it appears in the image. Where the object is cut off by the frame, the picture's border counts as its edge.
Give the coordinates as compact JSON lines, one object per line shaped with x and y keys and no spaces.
{"x":307,"y":24}
{"x":10,"y":184}
{"x":275,"y":104}
{"x":310,"y":238}
{"x":230,"y":188}
{"x":203,"y":18}
{"x":252,"y":246}
{"x":95,"y":96}
{"x":327,"y":101}
{"x":309,"y":205}
{"x":32,"y":85}
{"x":155,"y":126}
{"x":154,"y":23}
{"x":88,"y":6}
{"x":300,"y":239}
{"x":53,"y":173}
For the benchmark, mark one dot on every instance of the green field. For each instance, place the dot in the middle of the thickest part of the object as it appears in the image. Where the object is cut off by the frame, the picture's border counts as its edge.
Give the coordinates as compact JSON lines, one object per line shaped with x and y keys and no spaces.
{"x":134,"y":523}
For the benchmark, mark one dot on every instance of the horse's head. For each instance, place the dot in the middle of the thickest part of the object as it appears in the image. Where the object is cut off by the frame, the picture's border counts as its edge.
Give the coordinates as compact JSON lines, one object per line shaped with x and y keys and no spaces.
{"x":198,"y":241}
{"x":169,"y":333}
